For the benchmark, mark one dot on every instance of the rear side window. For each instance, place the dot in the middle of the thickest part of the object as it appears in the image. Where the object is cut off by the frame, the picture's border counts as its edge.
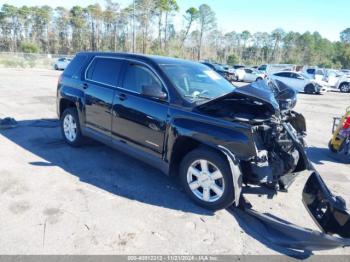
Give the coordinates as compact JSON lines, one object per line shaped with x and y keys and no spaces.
{"x":311,"y":71}
{"x":284,"y":74}
{"x":74,"y":68}
{"x":105,"y":71}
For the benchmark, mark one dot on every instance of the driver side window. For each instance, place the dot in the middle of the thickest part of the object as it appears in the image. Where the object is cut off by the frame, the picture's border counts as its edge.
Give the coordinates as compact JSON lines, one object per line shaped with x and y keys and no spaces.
{"x":138,"y":77}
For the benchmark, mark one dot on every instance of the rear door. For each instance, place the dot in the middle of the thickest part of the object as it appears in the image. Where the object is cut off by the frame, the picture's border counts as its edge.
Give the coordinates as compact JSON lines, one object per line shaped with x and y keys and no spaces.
{"x":138,"y":120}
{"x":101,"y":79}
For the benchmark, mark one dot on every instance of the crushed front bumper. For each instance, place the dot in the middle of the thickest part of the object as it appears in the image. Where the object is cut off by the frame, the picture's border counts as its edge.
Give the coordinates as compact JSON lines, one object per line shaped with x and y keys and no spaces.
{"x":327,"y":210}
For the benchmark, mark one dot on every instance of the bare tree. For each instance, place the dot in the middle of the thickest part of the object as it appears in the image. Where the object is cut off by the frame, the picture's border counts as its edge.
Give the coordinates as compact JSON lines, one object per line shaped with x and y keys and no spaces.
{"x":207,"y":22}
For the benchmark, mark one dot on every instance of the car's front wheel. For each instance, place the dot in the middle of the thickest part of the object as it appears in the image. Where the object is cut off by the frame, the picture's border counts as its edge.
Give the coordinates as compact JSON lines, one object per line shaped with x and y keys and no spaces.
{"x":207,"y":179}
{"x":70,"y":127}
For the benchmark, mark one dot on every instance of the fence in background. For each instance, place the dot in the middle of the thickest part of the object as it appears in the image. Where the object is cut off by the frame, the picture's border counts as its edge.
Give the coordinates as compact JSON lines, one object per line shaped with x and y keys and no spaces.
{"x":28,"y":60}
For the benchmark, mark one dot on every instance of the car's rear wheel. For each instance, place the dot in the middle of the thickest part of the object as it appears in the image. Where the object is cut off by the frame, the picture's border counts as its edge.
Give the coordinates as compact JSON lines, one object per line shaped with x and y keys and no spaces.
{"x":70,"y":127}
{"x":207,"y":179}
{"x":344,"y":88}
{"x":258,"y":79}
{"x":309,"y":89}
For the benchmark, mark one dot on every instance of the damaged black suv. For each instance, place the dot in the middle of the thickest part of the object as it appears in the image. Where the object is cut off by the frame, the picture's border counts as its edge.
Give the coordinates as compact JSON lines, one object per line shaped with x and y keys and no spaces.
{"x":184,"y":119}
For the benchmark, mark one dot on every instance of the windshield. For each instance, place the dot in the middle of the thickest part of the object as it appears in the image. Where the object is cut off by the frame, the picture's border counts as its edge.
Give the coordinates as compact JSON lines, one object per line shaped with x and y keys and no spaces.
{"x":197,"y":82}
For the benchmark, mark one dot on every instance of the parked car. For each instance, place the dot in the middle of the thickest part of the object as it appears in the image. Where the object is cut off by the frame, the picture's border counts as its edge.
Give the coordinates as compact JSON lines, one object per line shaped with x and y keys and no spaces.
{"x":273,"y":68}
{"x":345,"y":71}
{"x":301,"y":82}
{"x":343,"y":84}
{"x":62,"y":63}
{"x":185,"y":119}
{"x":249,"y":75}
{"x":332,"y":77}
{"x":314,"y":73}
{"x":238,"y":66}
{"x":220,"y":69}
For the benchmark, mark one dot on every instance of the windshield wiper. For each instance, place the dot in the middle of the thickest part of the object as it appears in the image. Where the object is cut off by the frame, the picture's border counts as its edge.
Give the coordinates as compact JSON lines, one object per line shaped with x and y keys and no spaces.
{"x":200,"y":97}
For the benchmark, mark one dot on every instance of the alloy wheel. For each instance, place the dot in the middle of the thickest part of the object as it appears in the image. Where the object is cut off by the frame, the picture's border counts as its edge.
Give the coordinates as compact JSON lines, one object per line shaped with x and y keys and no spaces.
{"x":345,"y":88}
{"x":205,"y":180}
{"x":70,"y":128}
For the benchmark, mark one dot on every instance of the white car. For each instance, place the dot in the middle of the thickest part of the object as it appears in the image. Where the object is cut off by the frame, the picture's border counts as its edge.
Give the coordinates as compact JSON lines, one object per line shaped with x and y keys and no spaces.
{"x":343,"y":84}
{"x":301,"y":82}
{"x":62,"y":63}
{"x":249,"y":75}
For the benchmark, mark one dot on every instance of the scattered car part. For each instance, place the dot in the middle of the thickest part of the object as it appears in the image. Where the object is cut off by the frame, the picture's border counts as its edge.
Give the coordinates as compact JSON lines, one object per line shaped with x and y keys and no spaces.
{"x":285,"y":234}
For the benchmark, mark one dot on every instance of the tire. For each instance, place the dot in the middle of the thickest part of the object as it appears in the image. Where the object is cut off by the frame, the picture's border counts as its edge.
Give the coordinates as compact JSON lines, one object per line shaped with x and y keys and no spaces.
{"x":309,"y":89}
{"x":56,"y":67}
{"x":70,"y":127}
{"x":344,"y":87}
{"x":331,"y":148}
{"x":223,"y":194}
{"x":258,"y":79}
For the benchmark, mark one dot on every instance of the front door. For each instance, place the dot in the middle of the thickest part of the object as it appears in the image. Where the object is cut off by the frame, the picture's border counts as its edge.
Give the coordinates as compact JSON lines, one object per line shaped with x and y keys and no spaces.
{"x":138,"y":120}
{"x":101,"y":80}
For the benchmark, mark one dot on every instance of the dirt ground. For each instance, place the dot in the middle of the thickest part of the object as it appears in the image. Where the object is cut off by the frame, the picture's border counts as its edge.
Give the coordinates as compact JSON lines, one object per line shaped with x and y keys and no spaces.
{"x":93,"y":200}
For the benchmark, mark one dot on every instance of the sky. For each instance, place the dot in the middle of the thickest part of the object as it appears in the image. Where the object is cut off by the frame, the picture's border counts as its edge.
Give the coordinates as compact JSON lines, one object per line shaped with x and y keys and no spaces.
{"x":328,"y":17}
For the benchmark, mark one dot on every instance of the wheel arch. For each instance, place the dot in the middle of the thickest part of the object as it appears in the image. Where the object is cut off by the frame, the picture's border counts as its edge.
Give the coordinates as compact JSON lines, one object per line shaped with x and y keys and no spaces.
{"x":182,"y":146}
{"x":64,"y":104}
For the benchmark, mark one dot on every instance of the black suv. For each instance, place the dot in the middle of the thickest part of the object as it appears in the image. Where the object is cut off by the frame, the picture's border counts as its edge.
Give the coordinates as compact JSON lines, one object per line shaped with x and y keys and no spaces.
{"x":183,"y":118}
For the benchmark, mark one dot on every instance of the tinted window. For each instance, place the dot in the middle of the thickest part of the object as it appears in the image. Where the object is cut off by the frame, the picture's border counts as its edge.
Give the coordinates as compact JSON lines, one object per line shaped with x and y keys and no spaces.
{"x":248,"y":71}
{"x":310,"y":71}
{"x":263,"y":67}
{"x":75,"y":66}
{"x":283,"y":74}
{"x":105,"y":71}
{"x":138,"y":76}
{"x":296,"y":76}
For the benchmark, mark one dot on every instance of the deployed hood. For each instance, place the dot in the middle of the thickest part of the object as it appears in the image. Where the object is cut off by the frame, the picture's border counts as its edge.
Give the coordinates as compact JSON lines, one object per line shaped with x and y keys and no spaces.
{"x":260,"y":91}
{"x":273,"y":95}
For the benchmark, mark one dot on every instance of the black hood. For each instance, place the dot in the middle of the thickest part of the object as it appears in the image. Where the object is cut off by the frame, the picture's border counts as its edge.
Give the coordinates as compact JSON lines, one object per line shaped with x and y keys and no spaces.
{"x":275,"y":94}
{"x":258,"y":91}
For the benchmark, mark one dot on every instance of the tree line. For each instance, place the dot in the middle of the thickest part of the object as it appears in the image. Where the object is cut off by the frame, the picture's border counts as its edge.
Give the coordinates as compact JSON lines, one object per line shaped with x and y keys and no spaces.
{"x":147,"y":26}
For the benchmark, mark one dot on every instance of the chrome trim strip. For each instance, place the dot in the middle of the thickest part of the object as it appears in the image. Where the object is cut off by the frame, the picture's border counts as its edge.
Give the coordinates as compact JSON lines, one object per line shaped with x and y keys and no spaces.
{"x":151,"y":143}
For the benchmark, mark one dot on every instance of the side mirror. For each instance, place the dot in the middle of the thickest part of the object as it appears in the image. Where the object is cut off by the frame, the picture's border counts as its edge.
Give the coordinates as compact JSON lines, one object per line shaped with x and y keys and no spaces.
{"x":154,"y":91}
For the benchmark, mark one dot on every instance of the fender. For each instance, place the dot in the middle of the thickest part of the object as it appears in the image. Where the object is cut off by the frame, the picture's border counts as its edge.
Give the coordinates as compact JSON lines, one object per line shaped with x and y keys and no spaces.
{"x":237,"y":137}
{"x":75,"y":96}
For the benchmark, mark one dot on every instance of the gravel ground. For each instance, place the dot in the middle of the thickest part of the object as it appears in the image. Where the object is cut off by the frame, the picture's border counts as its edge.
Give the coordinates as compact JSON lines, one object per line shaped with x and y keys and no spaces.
{"x":94,"y":200}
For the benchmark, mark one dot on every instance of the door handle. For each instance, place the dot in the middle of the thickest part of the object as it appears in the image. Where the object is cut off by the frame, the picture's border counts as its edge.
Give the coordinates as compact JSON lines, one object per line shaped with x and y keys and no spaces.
{"x":122,"y":97}
{"x":84,"y":86}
